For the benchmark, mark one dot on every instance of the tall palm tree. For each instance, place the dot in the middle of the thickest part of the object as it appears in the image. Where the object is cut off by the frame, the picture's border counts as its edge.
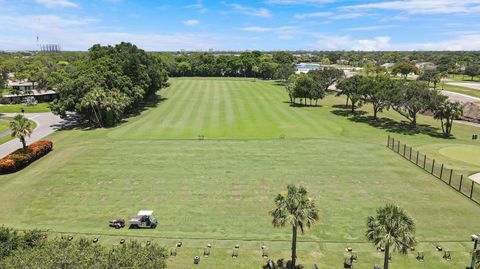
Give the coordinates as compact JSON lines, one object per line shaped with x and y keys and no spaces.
{"x":295,"y":208}
{"x":21,"y":127}
{"x":391,"y":227}
{"x":447,"y":112}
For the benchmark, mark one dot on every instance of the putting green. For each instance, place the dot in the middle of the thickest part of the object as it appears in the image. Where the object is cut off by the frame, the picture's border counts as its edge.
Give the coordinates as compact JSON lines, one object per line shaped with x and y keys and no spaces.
{"x":465,"y":153}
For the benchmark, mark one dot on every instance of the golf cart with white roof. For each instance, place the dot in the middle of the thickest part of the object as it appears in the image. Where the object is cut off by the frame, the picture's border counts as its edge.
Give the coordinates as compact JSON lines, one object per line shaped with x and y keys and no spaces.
{"x":143,"y":220}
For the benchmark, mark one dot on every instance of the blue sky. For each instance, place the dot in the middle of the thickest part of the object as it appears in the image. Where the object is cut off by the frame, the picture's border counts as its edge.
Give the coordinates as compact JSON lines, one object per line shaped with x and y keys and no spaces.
{"x":243,"y":25}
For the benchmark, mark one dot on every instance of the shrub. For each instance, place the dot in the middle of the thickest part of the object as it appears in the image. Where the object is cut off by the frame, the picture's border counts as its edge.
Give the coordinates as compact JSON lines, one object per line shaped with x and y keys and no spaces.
{"x":19,"y":159}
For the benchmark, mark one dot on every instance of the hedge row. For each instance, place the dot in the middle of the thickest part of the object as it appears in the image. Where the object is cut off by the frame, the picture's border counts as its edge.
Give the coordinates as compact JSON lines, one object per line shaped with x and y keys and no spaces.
{"x":19,"y":159}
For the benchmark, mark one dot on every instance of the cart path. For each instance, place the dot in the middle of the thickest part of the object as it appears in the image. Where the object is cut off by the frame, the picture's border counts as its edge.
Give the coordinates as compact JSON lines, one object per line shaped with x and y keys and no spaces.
{"x":475,"y":177}
{"x":460,"y":97}
{"x":470,"y":85}
{"x":47,"y":123}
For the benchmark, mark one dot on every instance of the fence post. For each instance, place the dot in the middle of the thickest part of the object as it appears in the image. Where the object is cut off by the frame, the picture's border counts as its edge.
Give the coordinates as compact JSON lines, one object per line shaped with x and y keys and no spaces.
{"x":410,"y":158}
{"x":460,"y":187}
{"x":433,"y":166}
{"x":450,"y":179}
{"x":471,"y":190}
{"x":398,"y":146}
{"x":393,"y":144}
{"x":388,"y":141}
{"x":416,"y":162}
{"x":424,"y":161}
{"x":441,"y":172}
{"x":404,"y":149}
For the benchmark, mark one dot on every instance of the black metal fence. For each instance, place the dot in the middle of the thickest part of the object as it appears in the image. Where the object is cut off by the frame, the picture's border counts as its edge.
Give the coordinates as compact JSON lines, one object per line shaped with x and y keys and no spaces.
{"x":457,"y":181}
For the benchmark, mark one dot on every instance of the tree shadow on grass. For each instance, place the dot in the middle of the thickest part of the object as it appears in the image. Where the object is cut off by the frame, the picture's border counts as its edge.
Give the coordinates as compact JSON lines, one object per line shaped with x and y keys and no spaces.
{"x":73,"y":121}
{"x":281,"y":264}
{"x":402,"y":127}
{"x":301,"y":104}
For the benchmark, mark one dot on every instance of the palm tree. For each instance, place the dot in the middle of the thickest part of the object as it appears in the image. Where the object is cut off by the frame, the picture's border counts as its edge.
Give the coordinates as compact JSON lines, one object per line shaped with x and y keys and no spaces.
{"x":294,"y":207}
{"x":21,"y":127}
{"x":391,"y":227}
{"x":446,"y":112}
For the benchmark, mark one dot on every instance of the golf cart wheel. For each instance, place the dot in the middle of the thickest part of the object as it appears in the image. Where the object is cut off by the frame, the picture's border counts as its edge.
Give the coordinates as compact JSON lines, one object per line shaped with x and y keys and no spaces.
{"x":133,"y":226}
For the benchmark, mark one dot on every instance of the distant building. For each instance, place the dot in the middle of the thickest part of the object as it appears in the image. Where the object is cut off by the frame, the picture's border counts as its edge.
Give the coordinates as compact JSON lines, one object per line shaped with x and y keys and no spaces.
{"x":40,"y":96}
{"x":22,"y":86}
{"x":387,"y":65}
{"x":425,"y":65}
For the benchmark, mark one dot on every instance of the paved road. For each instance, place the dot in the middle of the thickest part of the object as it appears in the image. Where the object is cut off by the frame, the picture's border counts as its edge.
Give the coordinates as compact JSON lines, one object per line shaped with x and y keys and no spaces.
{"x":460,"y":97}
{"x":471,"y":85}
{"x":47,"y":123}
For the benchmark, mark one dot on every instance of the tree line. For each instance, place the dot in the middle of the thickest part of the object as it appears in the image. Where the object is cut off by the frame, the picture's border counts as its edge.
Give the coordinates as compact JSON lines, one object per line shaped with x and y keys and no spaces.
{"x":256,"y":64}
{"x":311,"y":86}
{"x":408,"y":98}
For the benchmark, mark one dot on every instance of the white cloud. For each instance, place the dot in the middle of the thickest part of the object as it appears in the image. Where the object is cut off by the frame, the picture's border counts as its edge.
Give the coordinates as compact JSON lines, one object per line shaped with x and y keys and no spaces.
{"x":351,"y":15}
{"x":56,"y":3}
{"x":370,"y":28}
{"x":257,"y":12}
{"x":299,"y":2}
{"x":191,"y":22}
{"x":461,"y":42}
{"x":256,"y":29}
{"x":43,"y":22}
{"x":312,"y":15}
{"x":198,"y":6}
{"x":424,"y":6}
{"x":329,"y":42}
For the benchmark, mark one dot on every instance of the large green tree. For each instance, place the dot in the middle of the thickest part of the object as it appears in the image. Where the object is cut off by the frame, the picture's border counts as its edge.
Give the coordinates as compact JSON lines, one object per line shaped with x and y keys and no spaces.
{"x":110,"y":82}
{"x":377,"y":91}
{"x":447,"y":112}
{"x":390,"y":228}
{"x":412,"y":97}
{"x":21,"y":128}
{"x":472,"y":70}
{"x":404,"y":68}
{"x":431,"y":76}
{"x":323,"y":79}
{"x":295,"y":208}
{"x":352,"y":88}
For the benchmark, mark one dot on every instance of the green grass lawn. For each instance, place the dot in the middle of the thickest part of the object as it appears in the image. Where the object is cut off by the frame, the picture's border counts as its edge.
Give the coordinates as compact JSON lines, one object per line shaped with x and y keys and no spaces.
{"x":40,"y":107}
{"x":462,"y":78}
{"x":220,"y":189}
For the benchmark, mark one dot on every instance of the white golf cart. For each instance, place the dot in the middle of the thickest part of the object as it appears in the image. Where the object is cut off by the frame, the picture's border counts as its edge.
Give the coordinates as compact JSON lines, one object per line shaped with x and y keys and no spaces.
{"x":143,"y":220}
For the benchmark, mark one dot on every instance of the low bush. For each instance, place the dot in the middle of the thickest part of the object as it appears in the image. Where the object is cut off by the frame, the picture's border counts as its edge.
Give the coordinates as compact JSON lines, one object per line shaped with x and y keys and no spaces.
{"x":19,"y":159}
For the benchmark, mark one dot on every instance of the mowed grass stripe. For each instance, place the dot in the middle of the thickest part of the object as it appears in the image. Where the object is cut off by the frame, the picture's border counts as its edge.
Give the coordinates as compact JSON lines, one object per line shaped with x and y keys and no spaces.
{"x":186,"y":118}
{"x":177,"y":113}
{"x":216,"y":109}
{"x":263,"y":111}
{"x":283,"y":116}
{"x":230,"y":122}
{"x":240,"y":116}
{"x":200,"y":115}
